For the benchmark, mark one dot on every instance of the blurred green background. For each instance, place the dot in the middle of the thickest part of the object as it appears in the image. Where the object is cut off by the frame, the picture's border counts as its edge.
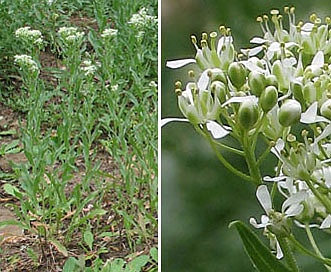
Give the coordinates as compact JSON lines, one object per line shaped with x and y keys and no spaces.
{"x":199,"y":196}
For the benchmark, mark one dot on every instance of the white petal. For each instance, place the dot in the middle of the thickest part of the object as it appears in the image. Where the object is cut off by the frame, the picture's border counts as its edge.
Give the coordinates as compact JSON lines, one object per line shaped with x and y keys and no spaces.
{"x":289,"y":62}
{"x":223,"y":40}
{"x":165,"y":121}
{"x":279,"y":251}
{"x":326,"y":132}
{"x":265,"y":219}
{"x":220,"y":44}
{"x":294,"y":210}
{"x":274,"y":47}
{"x":304,"y":226}
{"x":252,"y":66}
{"x":290,"y":44}
{"x":270,"y":54}
{"x":309,"y":115}
{"x":254,"y":223}
{"x":326,"y":222}
{"x":327,"y":176}
{"x":203,"y":81}
{"x":173,"y":64}
{"x":217,"y":130}
{"x":295,"y":199}
{"x":318,"y":60}
{"x":280,"y":144}
{"x":240,"y":99}
{"x":274,"y":179}
{"x":264,"y":198}
{"x":258,"y":40}
{"x":307,"y":27}
{"x":254,"y":51}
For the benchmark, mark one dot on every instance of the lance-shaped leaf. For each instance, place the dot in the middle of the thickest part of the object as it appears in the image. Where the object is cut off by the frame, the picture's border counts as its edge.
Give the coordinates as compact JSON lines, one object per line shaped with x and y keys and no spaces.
{"x":261,"y":257}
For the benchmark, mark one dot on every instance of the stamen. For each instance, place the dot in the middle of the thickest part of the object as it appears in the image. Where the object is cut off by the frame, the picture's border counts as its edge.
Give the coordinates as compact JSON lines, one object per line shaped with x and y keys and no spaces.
{"x":178,"y":84}
{"x":223,"y":30}
{"x":194,"y":41}
{"x":213,"y":36}
{"x":313,"y":17}
{"x":204,"y":36}
{"x":191,"y":73}
{"x":260,"y":21}
{"x":178,"y":92}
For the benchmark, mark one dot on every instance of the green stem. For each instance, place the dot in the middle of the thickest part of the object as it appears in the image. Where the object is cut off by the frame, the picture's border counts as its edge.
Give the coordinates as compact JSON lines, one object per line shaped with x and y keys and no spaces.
{"x":231,"y":149}
{"x":315,"y":247}
{"x":324,"y":200}
{"x":253,"y":168}
{"x":263,"y":156}
{"x":220,"y":157}
{"x":288,"y":254}
{"x":305,"y":251}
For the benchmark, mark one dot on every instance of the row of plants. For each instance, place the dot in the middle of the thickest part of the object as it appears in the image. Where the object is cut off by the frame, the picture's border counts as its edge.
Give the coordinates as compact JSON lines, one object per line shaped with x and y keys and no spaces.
{"x":87,"y":128}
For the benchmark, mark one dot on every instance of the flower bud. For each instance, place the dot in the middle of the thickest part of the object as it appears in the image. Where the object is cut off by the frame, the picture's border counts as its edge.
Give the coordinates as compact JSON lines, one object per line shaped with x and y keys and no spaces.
{"x":248,"y":114}
{"x":219,"y":88}
{"x":309,"y":92}
{"x":268,"y":98}
{"x":256,"y":82}
{"x":217,"y":74}
{"x":289,"y":113}
{"x":326,"y":109}
{"x":271,"y":80}
{"x":277,"y":70}
{"x":237,"y":74}
{"x":296,"y":88}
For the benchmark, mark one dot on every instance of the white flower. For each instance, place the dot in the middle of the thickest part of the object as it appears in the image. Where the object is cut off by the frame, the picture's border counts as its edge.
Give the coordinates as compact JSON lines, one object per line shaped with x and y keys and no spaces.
{"x":70,"y":34}
{"x":88,"y":67}
{"x":29,"y":35}
{"x":277,"y":221}
{"x":109,"y":32}
{"x":114,"y":88}
{"x":142,"y":19}
{"x":25,"y":61}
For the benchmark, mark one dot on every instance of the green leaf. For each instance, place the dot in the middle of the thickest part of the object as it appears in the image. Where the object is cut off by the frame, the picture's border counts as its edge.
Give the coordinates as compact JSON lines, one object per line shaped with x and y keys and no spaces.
{"x":154,"y":254}
{"x":61,"y":248}
{"x":137,"y":264}
{"x":71,"y":265}
{"x":12,"y":190}
{"x":261,"y":257}
{"x":117,"y":265}
{"x":88,"y":238}
{"x":8,"y":132}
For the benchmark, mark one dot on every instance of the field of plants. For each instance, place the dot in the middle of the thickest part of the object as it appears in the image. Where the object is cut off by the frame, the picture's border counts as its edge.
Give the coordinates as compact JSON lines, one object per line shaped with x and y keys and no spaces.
{"x":78,"y":135}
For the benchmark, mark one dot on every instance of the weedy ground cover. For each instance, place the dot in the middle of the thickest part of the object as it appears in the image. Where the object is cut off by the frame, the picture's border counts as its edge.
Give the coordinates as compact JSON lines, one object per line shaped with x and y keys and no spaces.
{"x":78,"y":135}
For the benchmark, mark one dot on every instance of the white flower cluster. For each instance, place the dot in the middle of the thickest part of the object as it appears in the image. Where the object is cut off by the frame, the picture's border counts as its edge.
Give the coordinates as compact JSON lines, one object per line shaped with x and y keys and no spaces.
{"x":70,"y":34}
{"x":284,"y":80}
{"x":29,"y":35}
{"x":88,"y":67}
{"x":26,"y":62}
{"x":142,"y":19}
{"x":109,"y":32}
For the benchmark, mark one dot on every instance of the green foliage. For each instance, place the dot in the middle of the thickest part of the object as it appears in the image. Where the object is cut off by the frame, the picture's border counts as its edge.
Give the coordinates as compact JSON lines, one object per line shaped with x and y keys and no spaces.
{"x":117,"y":265}
{"x":260,"y":255}
{"x":98,"y":97}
